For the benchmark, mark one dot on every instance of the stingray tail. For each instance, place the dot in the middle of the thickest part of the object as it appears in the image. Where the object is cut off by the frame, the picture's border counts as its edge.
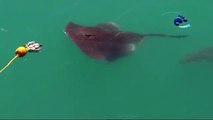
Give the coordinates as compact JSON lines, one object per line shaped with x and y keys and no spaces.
{"x":164,"y":35}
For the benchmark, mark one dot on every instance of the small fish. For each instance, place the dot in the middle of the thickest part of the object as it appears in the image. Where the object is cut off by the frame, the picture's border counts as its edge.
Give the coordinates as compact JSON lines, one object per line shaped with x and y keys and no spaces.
{"x":106,"y":41}
{"x":202,"y":55}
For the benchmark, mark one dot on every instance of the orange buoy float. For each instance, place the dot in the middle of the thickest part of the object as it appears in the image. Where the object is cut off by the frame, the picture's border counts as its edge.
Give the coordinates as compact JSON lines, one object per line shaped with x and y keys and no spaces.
{"x":23,"y":50}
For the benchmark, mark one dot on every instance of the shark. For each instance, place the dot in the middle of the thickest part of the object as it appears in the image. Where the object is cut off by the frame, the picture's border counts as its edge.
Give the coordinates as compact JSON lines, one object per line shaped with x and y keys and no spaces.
{"x":205,"y":54}
{"x":106,"y":41}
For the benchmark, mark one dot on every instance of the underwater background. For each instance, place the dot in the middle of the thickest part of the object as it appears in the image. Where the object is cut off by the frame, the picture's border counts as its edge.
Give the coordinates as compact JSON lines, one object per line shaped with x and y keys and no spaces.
{"x":62,"y":82}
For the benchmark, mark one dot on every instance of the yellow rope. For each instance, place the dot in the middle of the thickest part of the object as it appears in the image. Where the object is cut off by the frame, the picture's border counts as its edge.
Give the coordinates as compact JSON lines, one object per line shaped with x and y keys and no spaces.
{"x":8,"y":63}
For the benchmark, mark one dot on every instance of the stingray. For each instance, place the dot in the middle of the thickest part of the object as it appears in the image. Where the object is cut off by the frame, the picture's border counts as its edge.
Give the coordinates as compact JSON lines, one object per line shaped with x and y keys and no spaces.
{"x":202,"y":55}
{"x":106,"y":41}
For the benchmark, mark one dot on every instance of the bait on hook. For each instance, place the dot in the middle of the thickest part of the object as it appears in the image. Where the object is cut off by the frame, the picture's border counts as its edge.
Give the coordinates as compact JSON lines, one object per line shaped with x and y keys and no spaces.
{"x":23,"y":50}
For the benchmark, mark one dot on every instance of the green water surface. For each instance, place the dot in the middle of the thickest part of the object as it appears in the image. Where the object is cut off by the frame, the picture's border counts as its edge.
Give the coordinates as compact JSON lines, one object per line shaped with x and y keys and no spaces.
{"x":62,"y":82}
